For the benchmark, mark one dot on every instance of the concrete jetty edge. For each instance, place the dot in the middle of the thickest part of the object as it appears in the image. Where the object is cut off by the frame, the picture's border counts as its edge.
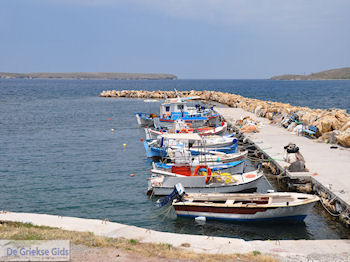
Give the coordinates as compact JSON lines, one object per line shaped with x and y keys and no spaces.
{"x":287,"y":250}
{"x":327,"y":167}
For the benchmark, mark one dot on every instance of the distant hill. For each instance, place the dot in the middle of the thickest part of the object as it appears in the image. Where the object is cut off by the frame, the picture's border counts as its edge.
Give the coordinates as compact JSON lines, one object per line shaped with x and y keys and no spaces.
{"x":340,"y":73}
{"x":118,"y":76}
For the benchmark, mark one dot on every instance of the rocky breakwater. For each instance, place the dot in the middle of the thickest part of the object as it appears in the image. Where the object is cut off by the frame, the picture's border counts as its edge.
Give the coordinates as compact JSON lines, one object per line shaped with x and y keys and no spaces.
{"x":333,"y":125}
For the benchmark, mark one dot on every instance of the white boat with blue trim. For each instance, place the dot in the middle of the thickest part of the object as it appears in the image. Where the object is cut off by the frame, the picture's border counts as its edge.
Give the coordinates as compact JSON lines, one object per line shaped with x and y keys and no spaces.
{"x":246,"y":207}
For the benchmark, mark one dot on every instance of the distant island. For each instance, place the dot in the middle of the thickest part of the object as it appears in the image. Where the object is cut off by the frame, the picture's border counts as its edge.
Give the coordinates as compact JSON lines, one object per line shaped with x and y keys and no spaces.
{"x":333,"y":74}
{"x":116,"y":76}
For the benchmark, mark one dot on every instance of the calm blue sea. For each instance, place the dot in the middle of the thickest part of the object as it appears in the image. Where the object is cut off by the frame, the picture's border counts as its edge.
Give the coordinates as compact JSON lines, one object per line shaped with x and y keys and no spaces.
{"x":59,"y":156}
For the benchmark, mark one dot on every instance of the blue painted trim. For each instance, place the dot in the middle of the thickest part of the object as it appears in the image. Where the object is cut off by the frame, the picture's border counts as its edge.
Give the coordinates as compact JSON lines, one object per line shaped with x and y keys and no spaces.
{"x":294,"y":218}
{"x":147,"y":148}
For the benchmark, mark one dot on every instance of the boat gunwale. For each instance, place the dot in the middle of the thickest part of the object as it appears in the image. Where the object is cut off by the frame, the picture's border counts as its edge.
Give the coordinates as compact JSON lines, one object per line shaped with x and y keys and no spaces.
{"x":310,"y":199}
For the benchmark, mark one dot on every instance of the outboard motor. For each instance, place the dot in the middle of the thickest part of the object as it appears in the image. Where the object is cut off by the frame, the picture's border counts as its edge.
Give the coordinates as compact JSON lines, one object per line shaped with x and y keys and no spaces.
{"x":177,"y":193}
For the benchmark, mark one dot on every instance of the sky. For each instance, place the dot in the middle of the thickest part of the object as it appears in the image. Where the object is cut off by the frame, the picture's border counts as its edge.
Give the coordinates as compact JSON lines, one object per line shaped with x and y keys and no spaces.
{"x":193,"y":39}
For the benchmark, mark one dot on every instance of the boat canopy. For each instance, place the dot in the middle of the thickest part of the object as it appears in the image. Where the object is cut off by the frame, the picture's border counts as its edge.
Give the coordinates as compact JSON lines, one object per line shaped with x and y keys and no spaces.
{"x":182,"y":99}
{"x":183,"y":136}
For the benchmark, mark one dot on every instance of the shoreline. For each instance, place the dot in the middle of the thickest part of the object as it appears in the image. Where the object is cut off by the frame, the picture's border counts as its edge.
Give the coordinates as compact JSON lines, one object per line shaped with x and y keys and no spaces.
{"x":89,"y":76}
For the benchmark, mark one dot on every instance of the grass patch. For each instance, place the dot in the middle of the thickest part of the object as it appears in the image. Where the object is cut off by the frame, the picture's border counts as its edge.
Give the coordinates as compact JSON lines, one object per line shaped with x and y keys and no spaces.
{"x":21,"y":231}
{"x":133,"y":241}
{"x":256,"y":253}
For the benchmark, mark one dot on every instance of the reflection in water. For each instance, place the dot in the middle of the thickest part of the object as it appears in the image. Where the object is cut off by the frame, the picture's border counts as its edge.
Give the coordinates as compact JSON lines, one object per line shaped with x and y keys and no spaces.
{"x":245,"y":230}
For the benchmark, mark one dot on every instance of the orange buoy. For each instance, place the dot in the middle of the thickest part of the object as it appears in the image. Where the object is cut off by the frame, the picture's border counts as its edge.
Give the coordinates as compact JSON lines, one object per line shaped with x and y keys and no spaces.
{"x":132,"y":175}
{"x":196,"y":173}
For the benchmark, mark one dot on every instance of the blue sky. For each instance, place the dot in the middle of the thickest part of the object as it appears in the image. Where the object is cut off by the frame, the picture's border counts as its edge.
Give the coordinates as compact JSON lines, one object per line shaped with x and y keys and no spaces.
{"x":190,"y":38}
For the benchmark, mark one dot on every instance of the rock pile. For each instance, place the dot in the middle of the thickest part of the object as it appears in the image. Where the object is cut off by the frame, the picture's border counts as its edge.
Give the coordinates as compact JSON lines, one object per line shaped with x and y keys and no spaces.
{"x":333,"y":124}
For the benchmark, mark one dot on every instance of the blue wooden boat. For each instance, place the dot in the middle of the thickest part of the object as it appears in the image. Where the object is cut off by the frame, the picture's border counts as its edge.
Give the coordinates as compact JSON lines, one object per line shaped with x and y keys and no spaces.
{"x":155,"y":149}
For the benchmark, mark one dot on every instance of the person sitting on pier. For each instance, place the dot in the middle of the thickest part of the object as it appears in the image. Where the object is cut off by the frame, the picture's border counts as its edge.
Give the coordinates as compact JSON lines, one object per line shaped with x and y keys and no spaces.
{"x":295,"y":158}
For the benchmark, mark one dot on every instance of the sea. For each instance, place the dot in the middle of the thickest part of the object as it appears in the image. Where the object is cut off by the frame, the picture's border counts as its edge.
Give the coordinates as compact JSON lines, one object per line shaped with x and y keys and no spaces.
{"x":59,"y":155}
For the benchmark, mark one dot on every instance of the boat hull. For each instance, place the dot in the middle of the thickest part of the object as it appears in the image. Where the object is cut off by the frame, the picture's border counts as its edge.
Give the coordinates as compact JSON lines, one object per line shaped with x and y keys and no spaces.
{"x":142,"y":120}
{"x":244,"y":213}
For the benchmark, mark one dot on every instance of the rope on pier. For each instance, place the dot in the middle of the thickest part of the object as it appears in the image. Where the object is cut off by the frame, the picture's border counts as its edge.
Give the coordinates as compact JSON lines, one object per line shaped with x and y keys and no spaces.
{"x":264,"y":160}
{"x":330,"y":212}
{"x":268,"y":182}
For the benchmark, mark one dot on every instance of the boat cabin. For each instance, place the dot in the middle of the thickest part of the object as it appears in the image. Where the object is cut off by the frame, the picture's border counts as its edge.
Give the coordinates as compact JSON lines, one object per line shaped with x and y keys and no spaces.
{"x":177,"y":108}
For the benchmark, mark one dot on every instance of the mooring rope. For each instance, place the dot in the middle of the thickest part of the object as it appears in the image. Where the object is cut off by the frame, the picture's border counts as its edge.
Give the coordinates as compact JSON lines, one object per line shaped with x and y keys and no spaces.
{"x":167,"y":212}
{"x":331,"y":213}
{"x":268,"y":182}
{"x":164,"y":212}
{"x":264,"y":160}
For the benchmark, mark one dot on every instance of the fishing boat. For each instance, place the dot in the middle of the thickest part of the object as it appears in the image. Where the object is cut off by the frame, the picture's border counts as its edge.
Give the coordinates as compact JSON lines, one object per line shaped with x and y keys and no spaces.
{"x":246,"y":207}
{"x":240,"y":207}
{"x":162,"y":183}
{"x":177,"y":108}
{"x":167,"y":143}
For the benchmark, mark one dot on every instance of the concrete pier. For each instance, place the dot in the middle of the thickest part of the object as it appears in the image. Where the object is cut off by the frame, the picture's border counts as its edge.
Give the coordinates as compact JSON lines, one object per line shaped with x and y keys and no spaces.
{"x":329,"y":169}
{"x":286,"y":250}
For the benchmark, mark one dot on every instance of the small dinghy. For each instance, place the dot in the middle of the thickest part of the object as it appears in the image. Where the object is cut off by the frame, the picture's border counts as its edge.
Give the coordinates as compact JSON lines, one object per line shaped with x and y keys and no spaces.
{"x":145,"y":119}
{"x":241,"y":207}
